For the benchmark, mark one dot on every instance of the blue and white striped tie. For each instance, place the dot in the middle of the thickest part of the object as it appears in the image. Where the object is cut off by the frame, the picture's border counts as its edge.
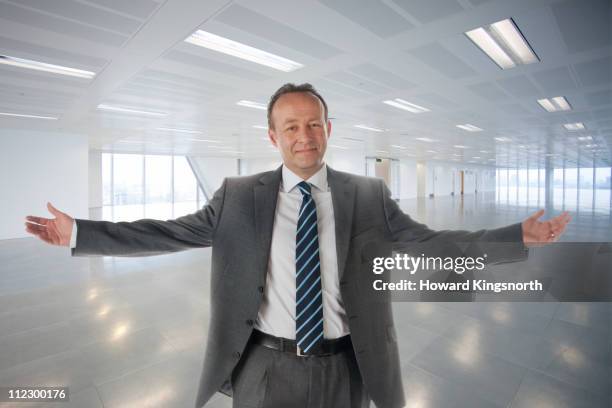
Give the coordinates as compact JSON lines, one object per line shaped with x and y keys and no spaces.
{"x":309,"y":297}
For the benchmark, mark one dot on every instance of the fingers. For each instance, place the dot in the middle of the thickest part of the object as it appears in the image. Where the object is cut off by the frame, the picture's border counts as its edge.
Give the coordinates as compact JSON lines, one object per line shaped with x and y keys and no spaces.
{"x":38,"y":220}
{"x":536,"y":215}
{"x":54,"y":210}
{"x":39,"y":231}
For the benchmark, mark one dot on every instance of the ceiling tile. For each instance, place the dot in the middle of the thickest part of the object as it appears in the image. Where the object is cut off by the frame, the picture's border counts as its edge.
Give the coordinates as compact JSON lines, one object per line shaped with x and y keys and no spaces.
{"x":595,"y":72}
{"x":59,"y":25}
{"x":22,"y":49}
{"x":443,"y":61}
{"x":556,"y":79}
{"x":376,"y":74}
{"x":264,"y":27}
{"x":373,"y":15}
{"x":141,"y":9}
{"x":518,"y":85}
{"x":201,"y":62}
{"x":598,"y":98}
{"x":488,"y":90}
{"x":357,"y":82}
{"x":584,"y":25}
{"x":427,"y":11}
{"x":85,"y":14}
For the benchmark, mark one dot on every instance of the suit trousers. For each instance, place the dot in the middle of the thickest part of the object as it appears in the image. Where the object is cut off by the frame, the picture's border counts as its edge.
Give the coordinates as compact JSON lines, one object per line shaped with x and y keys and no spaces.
{"x":267,"y":378}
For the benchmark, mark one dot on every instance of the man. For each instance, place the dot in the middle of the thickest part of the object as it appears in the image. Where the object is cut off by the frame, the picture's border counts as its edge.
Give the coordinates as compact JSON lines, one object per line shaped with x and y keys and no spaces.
{"x":290,"y":326}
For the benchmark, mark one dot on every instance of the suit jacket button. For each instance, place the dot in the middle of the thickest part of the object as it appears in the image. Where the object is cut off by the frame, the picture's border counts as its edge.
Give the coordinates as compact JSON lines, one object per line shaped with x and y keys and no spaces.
{"x":236,"y":354}
{"x":249,"y":322}
{"x":260,"y":289}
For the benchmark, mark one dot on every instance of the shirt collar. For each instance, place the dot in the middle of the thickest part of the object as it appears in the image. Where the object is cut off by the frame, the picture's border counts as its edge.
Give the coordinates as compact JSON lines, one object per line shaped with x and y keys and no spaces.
{"x":291,"y":180}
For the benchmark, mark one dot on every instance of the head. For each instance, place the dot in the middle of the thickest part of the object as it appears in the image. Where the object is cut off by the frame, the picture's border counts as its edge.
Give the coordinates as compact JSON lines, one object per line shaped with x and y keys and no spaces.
{"x":299,"y":127}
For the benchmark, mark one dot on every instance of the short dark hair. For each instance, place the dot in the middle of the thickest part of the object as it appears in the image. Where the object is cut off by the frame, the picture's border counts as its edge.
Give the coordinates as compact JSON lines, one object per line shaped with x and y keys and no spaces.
{"x":293,"y":88}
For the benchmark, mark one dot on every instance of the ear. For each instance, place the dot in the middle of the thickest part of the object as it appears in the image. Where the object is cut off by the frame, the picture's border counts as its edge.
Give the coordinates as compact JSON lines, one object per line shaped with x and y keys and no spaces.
{"x":329,"y":128}
{"x":272,"y":136}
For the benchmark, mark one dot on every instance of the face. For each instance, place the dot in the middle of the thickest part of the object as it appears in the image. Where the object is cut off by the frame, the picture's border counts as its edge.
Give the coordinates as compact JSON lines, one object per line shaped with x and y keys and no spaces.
{"x":300,"y":132}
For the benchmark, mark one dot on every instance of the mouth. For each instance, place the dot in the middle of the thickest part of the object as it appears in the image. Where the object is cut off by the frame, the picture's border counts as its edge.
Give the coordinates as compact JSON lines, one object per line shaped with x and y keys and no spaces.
{"x":306,"y":150}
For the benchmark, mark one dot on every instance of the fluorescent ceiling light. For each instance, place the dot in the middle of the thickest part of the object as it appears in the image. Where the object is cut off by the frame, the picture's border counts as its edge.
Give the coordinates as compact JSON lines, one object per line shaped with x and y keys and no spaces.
{"x":460,"y":147}
{"x":42,"y":66}
{"x":338,"y":147}
{"x":574,"y":126}
{"x":260,"y":127}
{"x":179,"y":130}
{"x":399,"y":147}
{"x":405,"y":105}
{"x":251,"y":104}
{"x":476,"y":157}
{"x":373,"y":129}
{"x":235,"y":49}
{"x":23,"y":115}
{"x":503,"y":139}
{"x":484,"y":151}
{"x":425,"y":139}
{"x":558,"y":103}
{"x":469,"y":128}
{"x":431,"y":151}
{"x":382,"y":151}
{"x":583,"y":138}
{"x":503,"y":43}
{"x":122,"y":109}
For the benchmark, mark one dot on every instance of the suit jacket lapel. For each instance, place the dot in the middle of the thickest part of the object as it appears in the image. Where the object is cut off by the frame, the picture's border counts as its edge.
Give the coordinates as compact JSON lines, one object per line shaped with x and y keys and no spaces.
{"x":343,"y":194}
{"x":266,"y":196}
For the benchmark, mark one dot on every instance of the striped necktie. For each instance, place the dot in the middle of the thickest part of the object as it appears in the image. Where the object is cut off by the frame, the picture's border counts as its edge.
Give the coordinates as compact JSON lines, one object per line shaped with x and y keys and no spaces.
{"x":309,"y":297}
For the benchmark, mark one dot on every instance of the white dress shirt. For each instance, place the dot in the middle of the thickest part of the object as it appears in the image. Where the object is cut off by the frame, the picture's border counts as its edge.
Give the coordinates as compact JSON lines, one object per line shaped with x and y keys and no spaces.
{"x":276,"y":315}
{"x":277,"y":312}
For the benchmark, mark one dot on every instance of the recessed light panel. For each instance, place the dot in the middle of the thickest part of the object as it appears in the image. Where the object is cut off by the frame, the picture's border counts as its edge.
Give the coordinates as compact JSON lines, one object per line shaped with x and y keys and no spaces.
{"x":23,"y":115}
{"x":503,"y":43}
{"x":373,"y":129}
{"x":235,"y":49}
{"x":251,"y":104}
{"x":556,"y":104}
{"x":405,"y":105}
{"x":469,"y":128}
{"x":122,"y":109}
{"x":574,"y":126}
{"x":43,"y":66}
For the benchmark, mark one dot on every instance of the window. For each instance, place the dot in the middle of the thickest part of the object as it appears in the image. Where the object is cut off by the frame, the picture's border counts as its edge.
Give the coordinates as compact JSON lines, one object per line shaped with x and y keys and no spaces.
{"x":153,"y":186}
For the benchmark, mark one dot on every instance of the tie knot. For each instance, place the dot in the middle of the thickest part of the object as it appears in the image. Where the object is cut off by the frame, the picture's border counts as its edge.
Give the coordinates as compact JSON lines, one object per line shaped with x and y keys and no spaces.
{"x":304,"y":188}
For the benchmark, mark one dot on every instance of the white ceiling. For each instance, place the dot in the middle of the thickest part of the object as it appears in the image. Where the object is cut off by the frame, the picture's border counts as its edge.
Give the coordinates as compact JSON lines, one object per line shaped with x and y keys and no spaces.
{"x":356,"y":52}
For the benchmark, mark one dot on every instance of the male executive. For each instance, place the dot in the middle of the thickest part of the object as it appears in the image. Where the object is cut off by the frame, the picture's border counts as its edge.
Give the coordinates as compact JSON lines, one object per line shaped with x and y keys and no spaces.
{"x":291,"y":266}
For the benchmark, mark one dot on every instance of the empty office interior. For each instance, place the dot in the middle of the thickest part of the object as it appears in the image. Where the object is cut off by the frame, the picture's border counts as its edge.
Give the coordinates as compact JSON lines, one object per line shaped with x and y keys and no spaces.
{"x":476,"y":113}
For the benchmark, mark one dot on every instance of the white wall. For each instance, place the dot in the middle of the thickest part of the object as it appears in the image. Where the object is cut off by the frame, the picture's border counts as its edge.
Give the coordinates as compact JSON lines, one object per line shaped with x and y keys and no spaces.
{"x":95,"y":179}
{"x":252,"y":166}
{"x":36,"y":167}
{"x":408,"y":179}
{"x":214,"y":169}
{"x":350,"y":162}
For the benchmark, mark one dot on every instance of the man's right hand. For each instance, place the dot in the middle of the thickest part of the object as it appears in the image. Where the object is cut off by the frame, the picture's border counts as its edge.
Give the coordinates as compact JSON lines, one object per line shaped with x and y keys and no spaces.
{"x":56,"y":231}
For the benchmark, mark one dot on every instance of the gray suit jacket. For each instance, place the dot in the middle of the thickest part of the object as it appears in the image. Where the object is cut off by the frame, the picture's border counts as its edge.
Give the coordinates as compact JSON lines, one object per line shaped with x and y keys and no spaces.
{"x":238,"y":222}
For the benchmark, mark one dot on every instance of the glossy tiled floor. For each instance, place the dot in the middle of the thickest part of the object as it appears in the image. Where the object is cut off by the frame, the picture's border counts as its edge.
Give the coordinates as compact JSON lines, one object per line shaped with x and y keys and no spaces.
{"x":130,"y":332}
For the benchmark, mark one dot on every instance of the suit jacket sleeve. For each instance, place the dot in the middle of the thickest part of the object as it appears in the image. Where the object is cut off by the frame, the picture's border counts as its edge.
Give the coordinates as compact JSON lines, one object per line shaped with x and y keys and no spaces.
{"x":150,"y":237}
{"x":503,"y":244}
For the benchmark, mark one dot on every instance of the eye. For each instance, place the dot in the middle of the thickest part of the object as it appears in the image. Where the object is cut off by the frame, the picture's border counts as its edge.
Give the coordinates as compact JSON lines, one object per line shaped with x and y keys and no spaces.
{"x":291,"y":128}
{"x":316,"y":124}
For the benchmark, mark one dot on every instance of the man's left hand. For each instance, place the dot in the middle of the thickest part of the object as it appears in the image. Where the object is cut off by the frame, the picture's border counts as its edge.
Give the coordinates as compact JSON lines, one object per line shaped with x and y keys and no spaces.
{"x":541,"y":232}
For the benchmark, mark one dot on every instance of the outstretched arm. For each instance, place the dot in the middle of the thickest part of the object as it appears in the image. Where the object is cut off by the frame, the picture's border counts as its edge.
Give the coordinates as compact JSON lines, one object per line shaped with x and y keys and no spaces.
{"x":142,"y":237}
{"x":406,"y":232}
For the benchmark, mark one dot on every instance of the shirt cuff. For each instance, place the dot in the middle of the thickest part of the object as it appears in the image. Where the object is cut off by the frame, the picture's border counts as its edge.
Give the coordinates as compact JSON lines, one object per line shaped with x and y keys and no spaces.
{"x":73,"y":236}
